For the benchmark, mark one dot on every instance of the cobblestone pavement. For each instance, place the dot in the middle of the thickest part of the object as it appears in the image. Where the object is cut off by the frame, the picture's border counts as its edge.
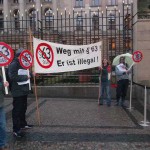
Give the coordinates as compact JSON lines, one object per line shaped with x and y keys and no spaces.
{"x":80,"y":124}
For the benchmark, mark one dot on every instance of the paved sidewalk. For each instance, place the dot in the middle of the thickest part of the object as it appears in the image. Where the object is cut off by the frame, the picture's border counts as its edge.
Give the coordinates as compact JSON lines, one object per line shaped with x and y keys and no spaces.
{"x":80,"y":124}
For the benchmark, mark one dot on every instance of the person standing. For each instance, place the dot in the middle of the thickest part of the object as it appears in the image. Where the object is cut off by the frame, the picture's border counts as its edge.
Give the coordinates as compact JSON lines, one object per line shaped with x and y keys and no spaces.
{"x":19,"y":93}
{"x":122,"y":75}
{"x":105,"y":82}
{"x":2,"y":115}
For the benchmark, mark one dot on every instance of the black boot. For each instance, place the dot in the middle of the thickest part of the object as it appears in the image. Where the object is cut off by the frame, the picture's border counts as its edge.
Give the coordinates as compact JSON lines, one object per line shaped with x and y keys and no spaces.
{"x":117,"y":102}
{"x":123,"y":102}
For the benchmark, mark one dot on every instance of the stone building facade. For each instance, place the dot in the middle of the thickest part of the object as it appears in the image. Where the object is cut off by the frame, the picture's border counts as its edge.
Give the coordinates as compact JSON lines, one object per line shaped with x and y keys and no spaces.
{"x":45,"y":10}
{"x":28,"y":8}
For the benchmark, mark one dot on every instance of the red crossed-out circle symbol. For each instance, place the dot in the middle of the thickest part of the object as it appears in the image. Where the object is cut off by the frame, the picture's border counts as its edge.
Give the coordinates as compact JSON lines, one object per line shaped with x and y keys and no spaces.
{"x":26,"y":59}
{"x":6,"y":54}
{"x":137,"y":56}
{"x":44,"y":55}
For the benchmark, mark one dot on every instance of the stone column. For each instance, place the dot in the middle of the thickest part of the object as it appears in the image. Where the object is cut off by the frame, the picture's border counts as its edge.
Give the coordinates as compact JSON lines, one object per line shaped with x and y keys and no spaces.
{"x":22,"y":14}
{"x":38,"y":9}
{"x":6,"y":13}
{"x":38,"y":13}
{"x":54,"y":10}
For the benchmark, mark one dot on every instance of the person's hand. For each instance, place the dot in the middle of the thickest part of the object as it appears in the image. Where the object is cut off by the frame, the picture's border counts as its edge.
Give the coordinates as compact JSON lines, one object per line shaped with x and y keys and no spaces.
{"x":128,"y":71}
{"x":100,"y":68}
{"x":29,"y":76}
{"x":34,"y":74}
{"x":6,"y":83}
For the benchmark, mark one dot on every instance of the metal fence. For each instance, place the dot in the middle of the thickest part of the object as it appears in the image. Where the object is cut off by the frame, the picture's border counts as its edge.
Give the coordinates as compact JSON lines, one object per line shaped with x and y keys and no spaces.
{"x":112,"y":26}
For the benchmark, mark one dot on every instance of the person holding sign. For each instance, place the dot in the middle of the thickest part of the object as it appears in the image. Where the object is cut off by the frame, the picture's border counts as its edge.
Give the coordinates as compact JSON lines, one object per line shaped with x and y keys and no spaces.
{"x":19,"y":89}
{"x":2,"y":115}
{"x":105,"y":82}
{"x":122,"y":74}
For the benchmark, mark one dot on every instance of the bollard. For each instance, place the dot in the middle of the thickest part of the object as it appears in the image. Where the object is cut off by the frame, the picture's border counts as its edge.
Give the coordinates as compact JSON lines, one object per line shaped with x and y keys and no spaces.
{"x":130,"y":105}
{"x":145,"y":122}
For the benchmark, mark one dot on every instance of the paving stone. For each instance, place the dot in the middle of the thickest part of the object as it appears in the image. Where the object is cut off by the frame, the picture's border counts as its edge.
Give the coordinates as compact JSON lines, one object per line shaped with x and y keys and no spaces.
{"x":79,"y":124}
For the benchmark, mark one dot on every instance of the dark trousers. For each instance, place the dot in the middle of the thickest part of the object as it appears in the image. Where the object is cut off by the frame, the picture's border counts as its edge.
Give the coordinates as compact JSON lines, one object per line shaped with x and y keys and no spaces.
{"x":122,"y":87}
{"x":19,"y":112}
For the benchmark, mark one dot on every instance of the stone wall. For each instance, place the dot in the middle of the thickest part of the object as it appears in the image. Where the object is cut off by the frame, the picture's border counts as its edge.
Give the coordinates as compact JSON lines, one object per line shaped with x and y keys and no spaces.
{"x":142,"y":43}
{"x":142,"y":69}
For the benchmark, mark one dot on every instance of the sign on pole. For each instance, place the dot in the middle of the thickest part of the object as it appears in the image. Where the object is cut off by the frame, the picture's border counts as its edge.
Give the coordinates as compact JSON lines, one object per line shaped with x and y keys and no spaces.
{"x":26,"y":61}
{"x":137,"y":56}
{"x":6,"y":56}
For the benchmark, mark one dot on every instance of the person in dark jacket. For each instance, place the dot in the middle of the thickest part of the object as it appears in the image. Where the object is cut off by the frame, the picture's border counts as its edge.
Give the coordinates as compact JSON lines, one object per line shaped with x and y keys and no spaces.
{"x":19,"y":92}
{"x":2,"y":115}
{"x":105,"y":82}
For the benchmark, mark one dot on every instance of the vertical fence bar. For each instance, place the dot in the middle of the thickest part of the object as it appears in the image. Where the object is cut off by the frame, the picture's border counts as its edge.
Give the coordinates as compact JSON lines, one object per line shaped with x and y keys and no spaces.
{"x":10,"y":28}
{"x":42,"y":21}
{"x":7,"y":35}
{"x":57,"y":27}
{"x":119,"y":32}
{"x":123,"y":27}
{"x":111,"y":30}
{"x":102,"y":27}
{"x":90,"y":22}
{"x":61,"y":27}
{"x":82,"y":26}
{"x":98,"y":24}
{"x":86,"y":28}
{"x":73,"y":28}
{"x":107,"y":37}
{"x":38,"y":24}
{"x":65,"y":34}
{"x":69,"y":30}
{"x":22,"y":34}
{"x":132,"y":26}
{"x":132,"y":34}
{"x":115,"y":32}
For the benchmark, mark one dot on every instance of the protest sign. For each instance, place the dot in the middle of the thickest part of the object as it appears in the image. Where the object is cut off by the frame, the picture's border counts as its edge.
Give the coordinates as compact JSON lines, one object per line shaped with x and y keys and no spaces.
{"x":54,"y":58}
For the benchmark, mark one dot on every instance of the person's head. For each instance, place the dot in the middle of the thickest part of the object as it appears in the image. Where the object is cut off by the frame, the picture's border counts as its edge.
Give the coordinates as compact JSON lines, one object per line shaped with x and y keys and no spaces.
{"x":122,"y":60}
{"x":104,"y":62}
{"x":18,"y":52}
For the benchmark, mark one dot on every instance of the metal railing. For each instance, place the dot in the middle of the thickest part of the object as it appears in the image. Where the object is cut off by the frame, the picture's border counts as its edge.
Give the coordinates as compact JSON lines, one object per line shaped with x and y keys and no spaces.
{"x":114,"y":29}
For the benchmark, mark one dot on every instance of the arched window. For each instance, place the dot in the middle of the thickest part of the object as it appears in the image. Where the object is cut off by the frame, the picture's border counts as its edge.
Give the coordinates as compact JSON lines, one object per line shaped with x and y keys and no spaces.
{"x":127,"y":1}
{"x":1,"y":1}
{"x":95,"y":22}
{"x":112,"y":2}
{"x":128,"y":43}
{"x":16,"y":19}
{"x":48,"y":18}
{"x":32,"y":16}
{"x":112,"y":44}
{"x":15,"y":1}
{"x":31,"y":0}
{"x":1,"y":20}
{"x":111,"y":22}
{"x":79,"y":3}
{"x":95,"y":2}
{"x":79,"y":23}
{"x":128,"y":21}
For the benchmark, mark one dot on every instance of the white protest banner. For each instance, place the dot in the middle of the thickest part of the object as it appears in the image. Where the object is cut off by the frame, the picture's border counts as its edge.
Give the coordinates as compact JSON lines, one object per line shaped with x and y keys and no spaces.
{"x":54,"y":58}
